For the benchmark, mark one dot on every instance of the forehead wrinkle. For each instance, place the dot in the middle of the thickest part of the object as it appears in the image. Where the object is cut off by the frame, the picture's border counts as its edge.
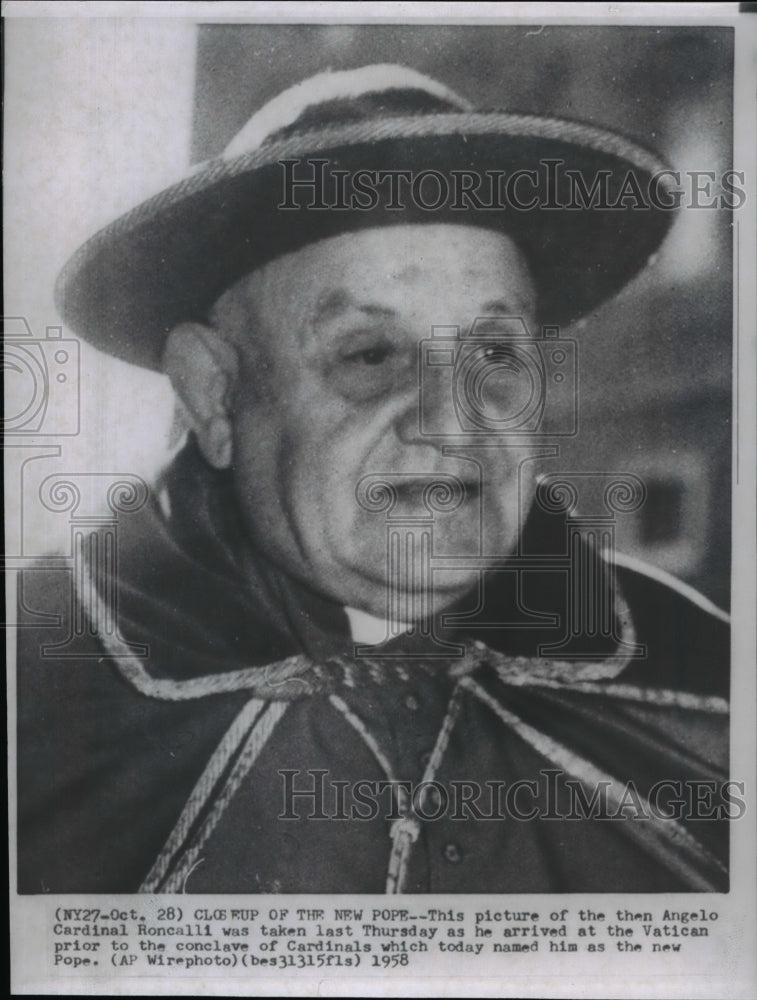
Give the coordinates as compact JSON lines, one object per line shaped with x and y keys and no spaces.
{"x":408,"y":273}
{"x":506,"y":305}
{"x":279,"y":292}
{"x":338,"y":301}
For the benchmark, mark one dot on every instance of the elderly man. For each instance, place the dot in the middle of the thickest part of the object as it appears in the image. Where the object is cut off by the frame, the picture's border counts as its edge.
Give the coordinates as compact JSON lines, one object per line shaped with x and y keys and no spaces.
{"x":358,"y":648}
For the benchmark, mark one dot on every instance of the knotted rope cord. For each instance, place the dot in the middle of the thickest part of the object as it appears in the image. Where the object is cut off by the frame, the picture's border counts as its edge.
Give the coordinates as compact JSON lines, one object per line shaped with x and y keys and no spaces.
{"x":299,"y":675}
{"x":404,"y":831}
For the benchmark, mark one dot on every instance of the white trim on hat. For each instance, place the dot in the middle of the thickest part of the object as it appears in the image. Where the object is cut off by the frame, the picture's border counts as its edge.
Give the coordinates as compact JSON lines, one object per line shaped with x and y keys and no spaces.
{"x":286,"y":107}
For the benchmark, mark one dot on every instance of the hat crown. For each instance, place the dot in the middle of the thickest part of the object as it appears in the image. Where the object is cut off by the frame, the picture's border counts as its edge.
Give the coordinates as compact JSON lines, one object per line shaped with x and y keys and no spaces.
{"x":344,"y":96}
{"x":169,"y":259}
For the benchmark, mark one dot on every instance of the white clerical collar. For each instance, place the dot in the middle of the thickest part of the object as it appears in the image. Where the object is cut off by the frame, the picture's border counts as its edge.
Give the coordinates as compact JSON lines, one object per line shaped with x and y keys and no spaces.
{"x":369,"y":629}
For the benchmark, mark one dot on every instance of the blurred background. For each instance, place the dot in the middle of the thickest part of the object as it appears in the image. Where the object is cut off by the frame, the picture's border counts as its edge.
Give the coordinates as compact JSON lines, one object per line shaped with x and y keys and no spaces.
{"x":103,"y":113}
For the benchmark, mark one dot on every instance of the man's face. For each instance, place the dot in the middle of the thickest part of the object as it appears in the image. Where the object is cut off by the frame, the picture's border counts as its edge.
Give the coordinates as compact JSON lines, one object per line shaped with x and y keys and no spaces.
{"x":328,"y":393}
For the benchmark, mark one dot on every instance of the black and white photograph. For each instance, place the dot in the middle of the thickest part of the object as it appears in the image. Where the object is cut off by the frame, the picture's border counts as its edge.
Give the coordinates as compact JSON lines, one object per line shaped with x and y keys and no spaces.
{"x":379,"y":455}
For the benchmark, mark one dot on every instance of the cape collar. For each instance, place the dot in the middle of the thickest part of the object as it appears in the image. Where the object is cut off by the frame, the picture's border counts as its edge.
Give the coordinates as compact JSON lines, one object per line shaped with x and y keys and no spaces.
{"x":213,"y":611}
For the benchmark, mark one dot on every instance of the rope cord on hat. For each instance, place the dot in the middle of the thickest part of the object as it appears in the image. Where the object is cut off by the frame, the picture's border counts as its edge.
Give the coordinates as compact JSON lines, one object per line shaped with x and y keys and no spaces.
{"x":399,"y":127}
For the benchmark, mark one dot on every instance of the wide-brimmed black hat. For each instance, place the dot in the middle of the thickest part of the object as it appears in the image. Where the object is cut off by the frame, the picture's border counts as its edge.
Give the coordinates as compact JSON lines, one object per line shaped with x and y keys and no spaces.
{"x":376,"y":146}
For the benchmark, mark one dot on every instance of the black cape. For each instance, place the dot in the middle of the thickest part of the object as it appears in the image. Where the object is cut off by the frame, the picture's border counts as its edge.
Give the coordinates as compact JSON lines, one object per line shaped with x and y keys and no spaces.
{"x":214,"y":737}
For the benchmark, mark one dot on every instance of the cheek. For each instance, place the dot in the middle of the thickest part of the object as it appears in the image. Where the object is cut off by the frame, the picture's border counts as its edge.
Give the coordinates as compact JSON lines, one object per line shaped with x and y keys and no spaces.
{"x":508,"y":490}
{"x":294,"y":465}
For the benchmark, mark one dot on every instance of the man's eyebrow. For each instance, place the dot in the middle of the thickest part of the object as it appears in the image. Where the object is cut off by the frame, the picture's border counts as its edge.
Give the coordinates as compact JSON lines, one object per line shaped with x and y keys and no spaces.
{"x":339,"y":301}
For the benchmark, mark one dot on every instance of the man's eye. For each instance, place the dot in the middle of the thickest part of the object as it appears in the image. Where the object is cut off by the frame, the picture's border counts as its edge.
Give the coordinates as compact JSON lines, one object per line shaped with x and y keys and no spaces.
{"x":499,"y":352}
{"x":370,"y":355}
{"x":369,"y":368}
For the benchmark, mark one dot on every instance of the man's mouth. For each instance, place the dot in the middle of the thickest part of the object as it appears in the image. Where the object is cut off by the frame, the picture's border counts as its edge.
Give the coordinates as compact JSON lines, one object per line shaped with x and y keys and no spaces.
{"x":440,"y":492}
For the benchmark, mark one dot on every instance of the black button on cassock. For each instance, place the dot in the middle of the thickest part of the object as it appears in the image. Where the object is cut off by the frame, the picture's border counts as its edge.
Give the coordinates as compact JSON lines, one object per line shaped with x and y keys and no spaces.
{"x":453,"y":854}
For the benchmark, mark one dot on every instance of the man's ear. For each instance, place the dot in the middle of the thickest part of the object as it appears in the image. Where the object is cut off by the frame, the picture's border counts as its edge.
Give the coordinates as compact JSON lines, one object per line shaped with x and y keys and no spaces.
{"x":203,"y":367}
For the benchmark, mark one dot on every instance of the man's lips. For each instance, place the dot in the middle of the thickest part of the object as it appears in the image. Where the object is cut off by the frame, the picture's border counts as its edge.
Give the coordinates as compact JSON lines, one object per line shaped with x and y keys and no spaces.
{"x":413,"y":490}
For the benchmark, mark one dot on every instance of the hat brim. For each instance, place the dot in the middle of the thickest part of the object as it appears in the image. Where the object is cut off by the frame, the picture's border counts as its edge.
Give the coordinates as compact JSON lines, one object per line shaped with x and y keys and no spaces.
{"x":169,"y":259}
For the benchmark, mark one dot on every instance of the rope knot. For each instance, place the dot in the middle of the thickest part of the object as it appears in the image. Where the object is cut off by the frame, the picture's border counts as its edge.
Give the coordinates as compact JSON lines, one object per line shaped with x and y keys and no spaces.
{"x":405,"y":828}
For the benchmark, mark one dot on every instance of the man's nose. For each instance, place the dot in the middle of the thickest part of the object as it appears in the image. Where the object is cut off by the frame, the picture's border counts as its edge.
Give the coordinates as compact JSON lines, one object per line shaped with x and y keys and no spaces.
{"x":427,"y":416}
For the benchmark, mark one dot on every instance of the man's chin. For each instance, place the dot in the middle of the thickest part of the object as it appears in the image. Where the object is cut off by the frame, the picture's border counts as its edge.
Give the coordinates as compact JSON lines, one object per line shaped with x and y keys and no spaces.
{"x":371,"y":591}
{"x":413,"y":606}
